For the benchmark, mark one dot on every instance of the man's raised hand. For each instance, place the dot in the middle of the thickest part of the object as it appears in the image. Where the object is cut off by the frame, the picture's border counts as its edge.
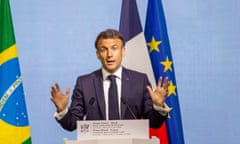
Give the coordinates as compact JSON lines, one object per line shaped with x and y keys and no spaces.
{"x":59,"y":99}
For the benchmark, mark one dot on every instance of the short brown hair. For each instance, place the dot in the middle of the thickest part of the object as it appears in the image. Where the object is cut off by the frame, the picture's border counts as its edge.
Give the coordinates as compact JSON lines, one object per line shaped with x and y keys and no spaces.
{"x":110,"y":33}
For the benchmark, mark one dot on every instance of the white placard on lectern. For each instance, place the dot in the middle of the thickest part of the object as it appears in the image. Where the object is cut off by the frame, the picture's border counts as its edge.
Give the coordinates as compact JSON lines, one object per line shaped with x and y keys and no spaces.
{"x":154,"y":140}
{"x":113,"y":129}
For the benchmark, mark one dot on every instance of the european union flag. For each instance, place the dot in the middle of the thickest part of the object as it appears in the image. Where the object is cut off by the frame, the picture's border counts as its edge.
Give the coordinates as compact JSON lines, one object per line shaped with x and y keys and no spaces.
{"x":159,"y":50}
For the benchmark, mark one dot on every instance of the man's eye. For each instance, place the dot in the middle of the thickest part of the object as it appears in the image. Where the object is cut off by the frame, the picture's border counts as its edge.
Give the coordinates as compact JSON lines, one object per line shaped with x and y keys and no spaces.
{"x":114,"y":48}
{"x":103,"y":49}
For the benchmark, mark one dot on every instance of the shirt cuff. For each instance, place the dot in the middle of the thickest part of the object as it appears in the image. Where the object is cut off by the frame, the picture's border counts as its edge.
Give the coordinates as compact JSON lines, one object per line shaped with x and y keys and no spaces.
{"x":162,"y":110}
{"x":61,"y":114}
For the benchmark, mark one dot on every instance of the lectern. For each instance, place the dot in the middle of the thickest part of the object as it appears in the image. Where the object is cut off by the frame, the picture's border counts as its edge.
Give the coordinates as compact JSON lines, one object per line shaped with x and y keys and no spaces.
{"x":154,"y":140}
{"x":113,"y":132}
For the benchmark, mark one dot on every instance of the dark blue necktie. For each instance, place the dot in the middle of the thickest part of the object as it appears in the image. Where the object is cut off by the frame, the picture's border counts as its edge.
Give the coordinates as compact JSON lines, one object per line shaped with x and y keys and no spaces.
{"x":113,"y":111}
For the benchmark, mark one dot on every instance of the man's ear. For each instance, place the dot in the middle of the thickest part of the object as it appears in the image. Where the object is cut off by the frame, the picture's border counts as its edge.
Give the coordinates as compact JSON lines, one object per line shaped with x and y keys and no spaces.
{"x":97,"y":54}
{"x":123,"y":51}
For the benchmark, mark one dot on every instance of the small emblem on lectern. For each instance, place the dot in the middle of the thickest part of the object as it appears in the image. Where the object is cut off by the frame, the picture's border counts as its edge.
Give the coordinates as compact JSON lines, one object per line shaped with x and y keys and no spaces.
{"x":84,"y":128}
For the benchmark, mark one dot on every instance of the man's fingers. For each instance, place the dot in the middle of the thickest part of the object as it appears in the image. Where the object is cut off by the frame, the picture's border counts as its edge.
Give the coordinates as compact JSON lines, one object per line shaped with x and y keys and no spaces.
{"x":57,"y":87}
{"x":67,"y":91}
{"x":52,"y":99}
{"x":149,"y":90}
{"x":160,"y":81}
{"x":165,"y":83}
{"x":53,"y":91}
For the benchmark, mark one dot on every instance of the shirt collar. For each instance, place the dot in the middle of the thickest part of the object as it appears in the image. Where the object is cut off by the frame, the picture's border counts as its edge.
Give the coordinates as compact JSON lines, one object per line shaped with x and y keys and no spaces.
{"x":118,"y":73}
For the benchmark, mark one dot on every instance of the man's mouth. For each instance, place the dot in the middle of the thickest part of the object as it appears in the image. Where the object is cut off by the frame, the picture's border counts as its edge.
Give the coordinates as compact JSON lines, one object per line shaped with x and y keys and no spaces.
{"x":110,"y":62}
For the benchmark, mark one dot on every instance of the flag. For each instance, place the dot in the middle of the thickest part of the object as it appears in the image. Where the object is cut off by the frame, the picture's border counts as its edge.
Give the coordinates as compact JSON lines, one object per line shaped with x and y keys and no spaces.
{"x":14,"y":124}
{"x":159,"y":50}
{"x":136,"y":56}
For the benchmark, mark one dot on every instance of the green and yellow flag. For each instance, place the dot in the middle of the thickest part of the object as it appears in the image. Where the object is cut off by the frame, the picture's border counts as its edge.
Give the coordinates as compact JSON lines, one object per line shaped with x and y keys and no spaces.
{"x":14,"y":126}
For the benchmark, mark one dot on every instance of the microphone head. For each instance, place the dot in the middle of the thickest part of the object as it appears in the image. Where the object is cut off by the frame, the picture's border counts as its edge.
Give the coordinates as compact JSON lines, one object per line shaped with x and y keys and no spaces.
{"x":123,"y":100}
{"x":91,"y":101}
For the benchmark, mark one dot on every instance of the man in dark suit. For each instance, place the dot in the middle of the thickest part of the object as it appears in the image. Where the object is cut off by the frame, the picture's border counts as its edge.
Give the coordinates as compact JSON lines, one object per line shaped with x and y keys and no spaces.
{"x":92,"y":99}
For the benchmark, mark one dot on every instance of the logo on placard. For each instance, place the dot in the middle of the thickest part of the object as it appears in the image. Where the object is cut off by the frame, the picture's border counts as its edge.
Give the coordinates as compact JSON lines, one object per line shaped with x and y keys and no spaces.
{"x":84,"y":128}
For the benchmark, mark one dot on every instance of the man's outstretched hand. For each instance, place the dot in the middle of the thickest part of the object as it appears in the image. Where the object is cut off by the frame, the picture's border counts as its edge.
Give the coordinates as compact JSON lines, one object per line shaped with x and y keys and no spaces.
{"x":59,"y":99}
{"x":160,"y":94}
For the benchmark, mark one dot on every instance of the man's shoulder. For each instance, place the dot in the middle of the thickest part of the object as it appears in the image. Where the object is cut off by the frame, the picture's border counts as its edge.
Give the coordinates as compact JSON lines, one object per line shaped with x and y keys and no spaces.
{"x":92,"y":75}
{"x":132,"y":72}
{"x":98,"y":74}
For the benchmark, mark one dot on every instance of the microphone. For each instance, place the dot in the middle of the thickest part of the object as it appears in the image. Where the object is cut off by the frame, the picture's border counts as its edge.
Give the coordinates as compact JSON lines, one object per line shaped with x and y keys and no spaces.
{"x":91,"y":102}
{"x":124,"y":101}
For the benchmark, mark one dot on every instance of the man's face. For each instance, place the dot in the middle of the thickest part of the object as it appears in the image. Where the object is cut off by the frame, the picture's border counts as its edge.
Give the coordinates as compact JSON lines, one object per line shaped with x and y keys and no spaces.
{"x":110,"y":52}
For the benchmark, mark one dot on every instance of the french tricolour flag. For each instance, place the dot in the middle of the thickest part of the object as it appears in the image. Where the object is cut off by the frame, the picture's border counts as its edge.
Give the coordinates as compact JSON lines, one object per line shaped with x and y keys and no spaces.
{"x":137,"y":56}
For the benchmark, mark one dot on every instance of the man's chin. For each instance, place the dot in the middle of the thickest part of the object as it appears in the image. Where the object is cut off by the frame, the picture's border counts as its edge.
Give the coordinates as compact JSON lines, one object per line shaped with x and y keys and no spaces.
{"x":111,"y":69}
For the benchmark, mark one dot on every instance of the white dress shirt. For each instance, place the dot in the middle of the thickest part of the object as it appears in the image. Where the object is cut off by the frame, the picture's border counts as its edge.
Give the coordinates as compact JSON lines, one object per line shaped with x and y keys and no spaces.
{"x":106,"y":85}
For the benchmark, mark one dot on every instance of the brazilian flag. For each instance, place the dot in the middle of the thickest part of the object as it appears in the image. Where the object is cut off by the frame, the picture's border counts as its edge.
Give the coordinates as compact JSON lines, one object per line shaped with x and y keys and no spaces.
{"x":14,"y":126}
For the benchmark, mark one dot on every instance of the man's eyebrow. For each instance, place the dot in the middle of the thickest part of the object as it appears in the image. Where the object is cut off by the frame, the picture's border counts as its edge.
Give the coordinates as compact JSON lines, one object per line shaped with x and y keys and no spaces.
{"x":114,"y":45}
{"x":103,"y":47}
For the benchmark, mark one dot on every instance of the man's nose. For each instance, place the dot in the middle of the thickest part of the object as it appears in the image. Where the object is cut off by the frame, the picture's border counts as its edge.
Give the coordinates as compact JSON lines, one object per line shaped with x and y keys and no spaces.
{"x":109,"y":52}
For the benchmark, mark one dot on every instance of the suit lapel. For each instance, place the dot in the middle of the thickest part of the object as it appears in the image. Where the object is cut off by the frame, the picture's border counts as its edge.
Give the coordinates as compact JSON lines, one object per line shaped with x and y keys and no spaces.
{"x":125,"y":91}
{"x":98,"y":83}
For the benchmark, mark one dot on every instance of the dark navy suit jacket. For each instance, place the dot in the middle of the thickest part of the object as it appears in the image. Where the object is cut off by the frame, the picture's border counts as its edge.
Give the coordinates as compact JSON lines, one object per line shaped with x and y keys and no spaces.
{"x":133,"y":90}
